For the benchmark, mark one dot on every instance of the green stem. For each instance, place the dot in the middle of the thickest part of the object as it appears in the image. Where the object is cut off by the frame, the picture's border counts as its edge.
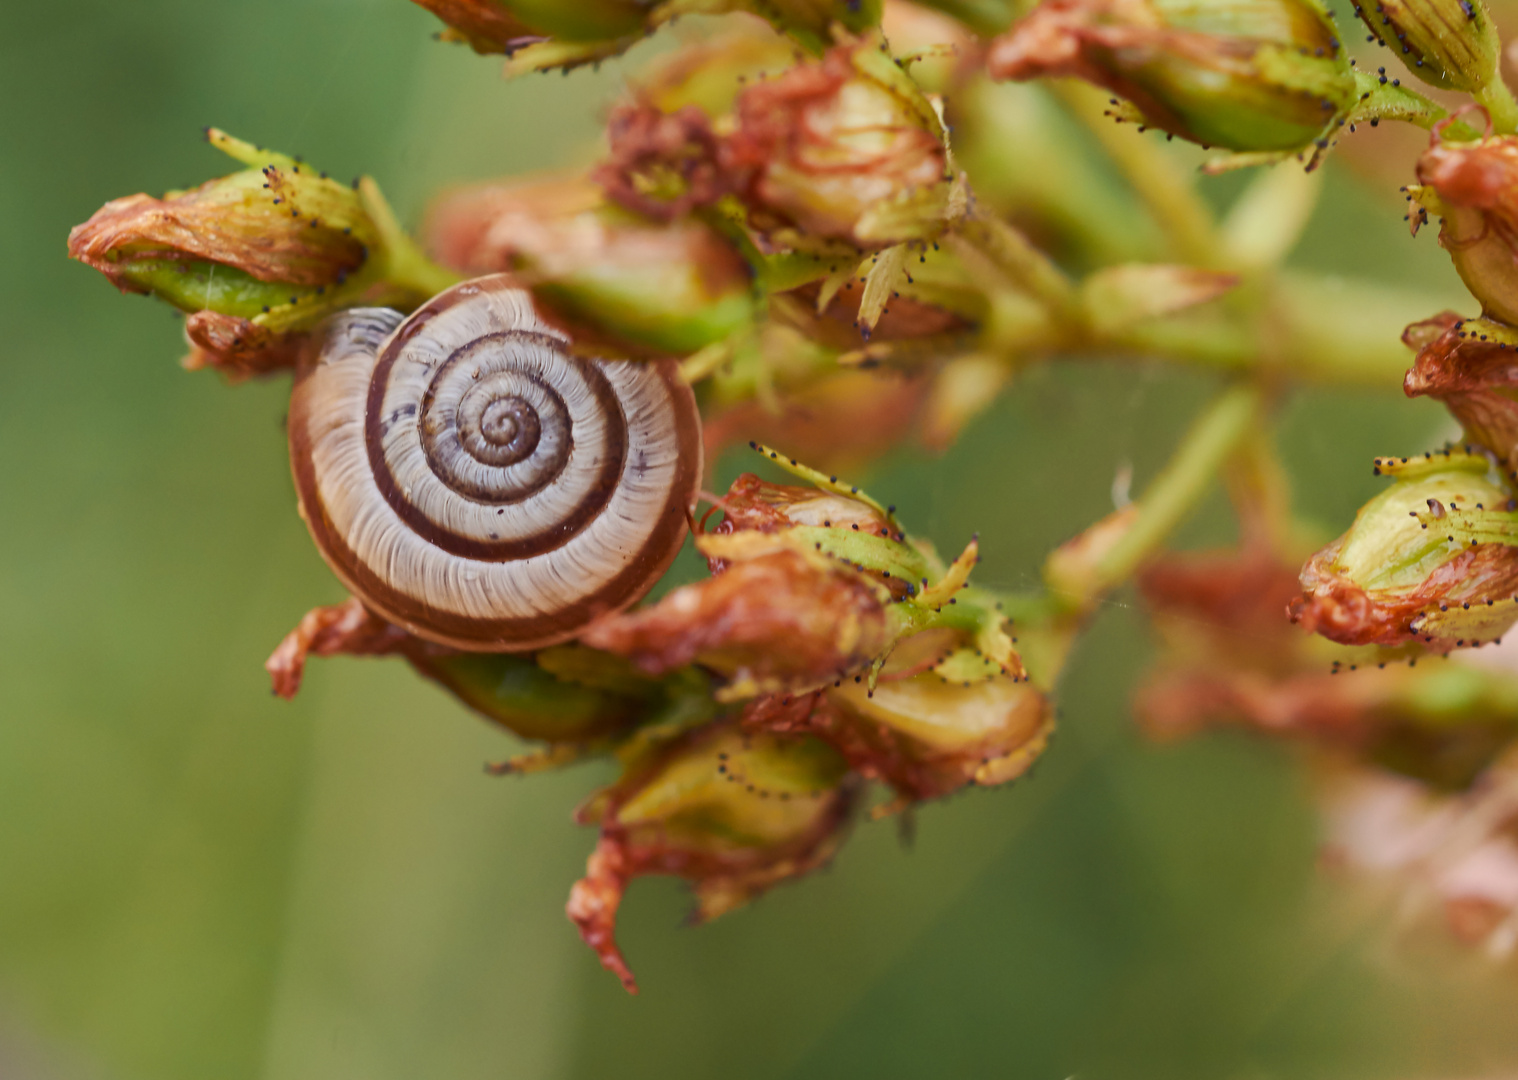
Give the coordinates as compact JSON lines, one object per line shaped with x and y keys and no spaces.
{"x":405,"y":266}
{"x":1500,"y":106}
{"x":1015,"y":256}
{"x":1213,"y":438}
{"x":1165,"y":188}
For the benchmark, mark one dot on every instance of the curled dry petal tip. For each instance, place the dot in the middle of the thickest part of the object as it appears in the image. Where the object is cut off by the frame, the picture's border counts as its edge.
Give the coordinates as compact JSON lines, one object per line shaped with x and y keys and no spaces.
{"x":732,"y":812}
{"x":1471,"y":366}
{"x":348,"y":628}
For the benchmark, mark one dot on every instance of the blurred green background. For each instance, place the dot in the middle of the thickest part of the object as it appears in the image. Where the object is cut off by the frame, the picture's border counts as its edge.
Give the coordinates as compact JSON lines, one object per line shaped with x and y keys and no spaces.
{"x":199,"y":881}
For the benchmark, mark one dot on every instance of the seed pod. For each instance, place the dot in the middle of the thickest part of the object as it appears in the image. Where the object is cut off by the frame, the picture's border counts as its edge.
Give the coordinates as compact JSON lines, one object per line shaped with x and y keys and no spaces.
{"x":1246,"y":75}
{"x":1451,"y":44}
{"x":615,"y":280}
{"x":258,"y":255}
{"x":1433,"y":559}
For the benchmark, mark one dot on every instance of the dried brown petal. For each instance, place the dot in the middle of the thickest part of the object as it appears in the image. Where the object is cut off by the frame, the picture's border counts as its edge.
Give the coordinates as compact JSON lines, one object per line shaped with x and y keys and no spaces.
{"x":1341,"y":610}
{"x":239,"y":348}
{"x":1476,"y":379}
{"x":348,"y":628}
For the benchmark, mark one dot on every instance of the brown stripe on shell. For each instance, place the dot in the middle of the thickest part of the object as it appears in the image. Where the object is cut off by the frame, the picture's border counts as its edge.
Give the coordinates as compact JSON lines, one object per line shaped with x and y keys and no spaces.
{"x":510,"y":634}
{"x":557,"y":535}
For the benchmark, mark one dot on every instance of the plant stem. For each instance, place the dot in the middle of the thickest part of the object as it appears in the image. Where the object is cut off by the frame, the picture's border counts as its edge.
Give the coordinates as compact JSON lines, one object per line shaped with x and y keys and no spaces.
{"x":1166,"y":189}
{"x":1498,"y":101}
{"x":1175,"y":492}
{"x":1015,"y":256}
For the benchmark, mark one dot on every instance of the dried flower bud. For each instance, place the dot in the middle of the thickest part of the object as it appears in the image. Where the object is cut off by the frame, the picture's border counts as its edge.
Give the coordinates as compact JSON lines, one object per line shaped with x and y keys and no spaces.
{"x":779,"y":620}
{"x":1472,"y":187}
{"x":614,"y":278}
{"x":1450,"y":44}
{"x":259,"y":254}
{"x":1246,"y":75}
{"x":846,"y":148}
{"x":1432,"y":559}
{"x":813,"y":585}
{"x":1475,"y":377}
{"x":734,"y":813}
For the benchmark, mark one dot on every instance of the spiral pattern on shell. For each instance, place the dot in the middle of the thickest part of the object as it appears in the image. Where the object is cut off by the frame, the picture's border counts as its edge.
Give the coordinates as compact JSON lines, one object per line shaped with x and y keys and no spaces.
{"x":471,"y":480}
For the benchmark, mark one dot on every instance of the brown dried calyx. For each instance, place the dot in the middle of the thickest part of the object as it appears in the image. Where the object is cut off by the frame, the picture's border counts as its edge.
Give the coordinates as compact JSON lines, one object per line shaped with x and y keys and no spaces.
{"x":1474,"y":374}
{"x":663,"y":164}
{"x":778,"y":619}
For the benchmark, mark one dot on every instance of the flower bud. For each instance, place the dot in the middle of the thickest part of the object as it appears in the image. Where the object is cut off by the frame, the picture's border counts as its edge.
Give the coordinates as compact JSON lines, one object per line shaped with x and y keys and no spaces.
{"x":1474,"y":374}
{"x":1450,"y":44}
{"x":732,"y":812}
{"x":1474,"y":189}
{"x":613,"y":278}
{"x":846,"y":148}
{"x":1433,"y":559}
{"x":1246,"y":75}
{"x":257,"y":255}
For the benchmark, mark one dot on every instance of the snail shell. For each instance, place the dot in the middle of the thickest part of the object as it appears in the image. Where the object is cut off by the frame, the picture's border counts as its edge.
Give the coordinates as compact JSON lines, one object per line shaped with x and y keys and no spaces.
{"x":471,"y":480}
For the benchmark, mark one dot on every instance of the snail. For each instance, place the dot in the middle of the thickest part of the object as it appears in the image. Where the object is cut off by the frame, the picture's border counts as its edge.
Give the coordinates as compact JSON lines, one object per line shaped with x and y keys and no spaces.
{"x":472,"y":481}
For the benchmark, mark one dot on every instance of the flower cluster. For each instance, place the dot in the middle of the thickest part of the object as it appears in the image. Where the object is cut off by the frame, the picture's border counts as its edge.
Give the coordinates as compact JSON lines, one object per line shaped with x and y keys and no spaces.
{"x":827,"y":649}
{"x":845,"y":224}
